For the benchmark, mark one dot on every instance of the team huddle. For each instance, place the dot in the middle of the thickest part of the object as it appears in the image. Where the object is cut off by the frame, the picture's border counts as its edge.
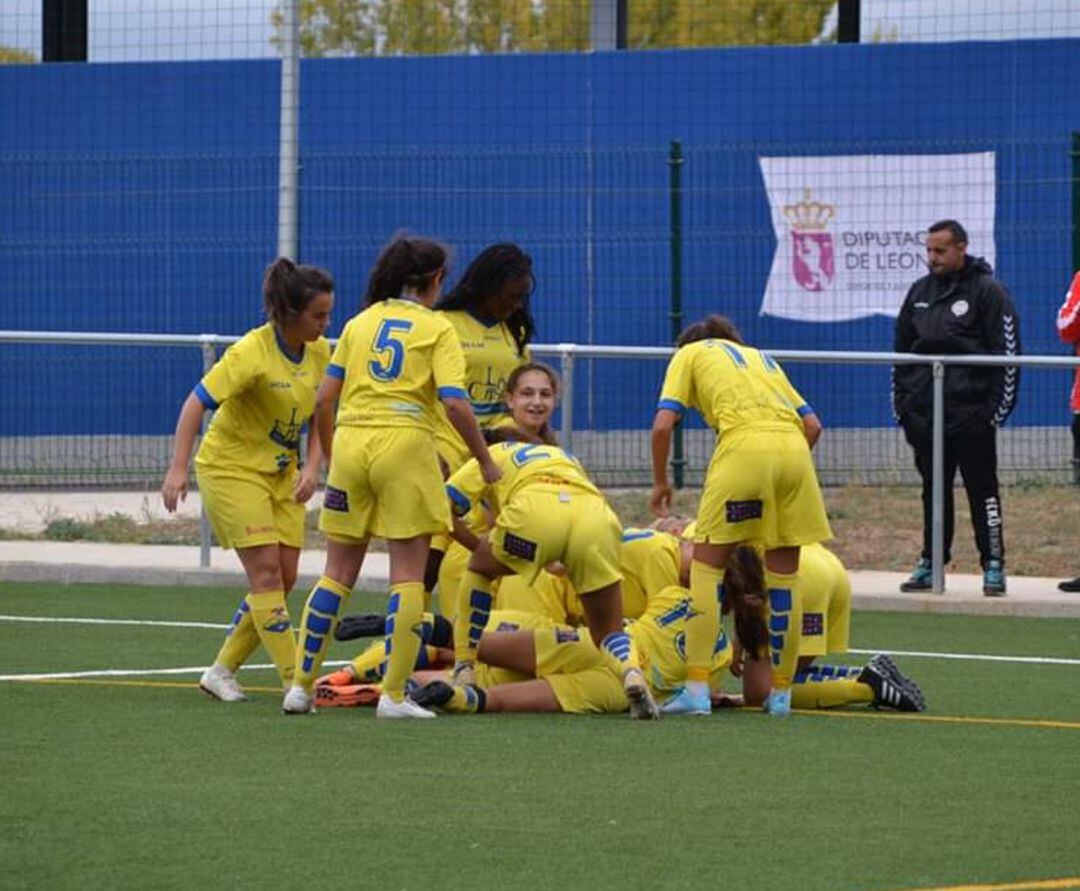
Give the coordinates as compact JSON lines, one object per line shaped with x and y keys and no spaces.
{"x":433,"y":423}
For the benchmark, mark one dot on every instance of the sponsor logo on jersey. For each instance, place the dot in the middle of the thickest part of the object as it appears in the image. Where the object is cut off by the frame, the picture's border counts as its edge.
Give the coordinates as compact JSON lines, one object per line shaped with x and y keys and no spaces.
{"x":740,"y":511}
{"x":813,"y":624}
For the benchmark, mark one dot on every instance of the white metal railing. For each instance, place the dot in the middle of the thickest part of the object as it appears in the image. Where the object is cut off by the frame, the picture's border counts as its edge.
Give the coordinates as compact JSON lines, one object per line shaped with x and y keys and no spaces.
{"x":567,"y":352}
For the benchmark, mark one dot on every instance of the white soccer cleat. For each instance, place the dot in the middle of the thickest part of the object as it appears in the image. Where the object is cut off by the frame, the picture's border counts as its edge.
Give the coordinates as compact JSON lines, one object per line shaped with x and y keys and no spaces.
{"x":217,"y":681}
{"x":387,"y":708}
{"x":298,"y":701}
{"x":642,"y":704}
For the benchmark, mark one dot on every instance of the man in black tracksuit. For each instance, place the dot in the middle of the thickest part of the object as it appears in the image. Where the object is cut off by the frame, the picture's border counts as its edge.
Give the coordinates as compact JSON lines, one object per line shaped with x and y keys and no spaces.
{"x":959,"y":308}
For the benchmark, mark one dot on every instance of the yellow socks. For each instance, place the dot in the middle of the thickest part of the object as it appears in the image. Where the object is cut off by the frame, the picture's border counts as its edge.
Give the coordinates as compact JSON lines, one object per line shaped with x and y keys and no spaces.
{"x":240,"y":640}
{"x":403,"y":620}
{"x":829,"y":686}
{"x":473,"y":610}
{"x":324,"y":605}
{"x":270,"y":618}
{"x":703,"y":620}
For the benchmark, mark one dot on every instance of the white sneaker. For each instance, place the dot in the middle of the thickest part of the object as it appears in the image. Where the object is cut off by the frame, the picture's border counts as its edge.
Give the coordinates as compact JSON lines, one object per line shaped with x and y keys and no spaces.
{"x":219,"y":682}
{"x":387,"y":708}
{"x":297,"y":701}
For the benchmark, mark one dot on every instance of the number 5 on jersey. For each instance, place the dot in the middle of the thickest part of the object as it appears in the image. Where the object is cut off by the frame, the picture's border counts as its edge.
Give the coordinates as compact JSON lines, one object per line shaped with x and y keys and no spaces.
{"x":390,"y":350}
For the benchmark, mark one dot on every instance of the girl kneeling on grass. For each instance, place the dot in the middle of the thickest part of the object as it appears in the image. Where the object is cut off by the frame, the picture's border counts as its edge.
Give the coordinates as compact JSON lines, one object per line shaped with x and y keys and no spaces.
{"x":249,"y":464}
{"x":786,"y":637}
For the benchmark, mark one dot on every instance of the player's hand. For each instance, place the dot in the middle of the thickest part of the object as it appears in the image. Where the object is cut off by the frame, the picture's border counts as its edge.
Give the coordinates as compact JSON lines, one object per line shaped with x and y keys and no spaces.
{"x":174,"y":488}
{"x":464,"y":675}
{"x":306,"y":484}
{"x":738,"y":659}
{"x":778,"y":702}
{"x":491,"y":472}
{"x":660,"y":500}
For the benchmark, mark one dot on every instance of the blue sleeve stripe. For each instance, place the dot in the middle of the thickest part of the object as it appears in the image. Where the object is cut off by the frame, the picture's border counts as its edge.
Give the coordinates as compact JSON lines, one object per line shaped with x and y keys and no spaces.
{"x":335,"y":371}
{"x":805,"y":410}
{"x":671,"y":405}
{"x":203,"y":395}
{"x":452,"y":393}
{"x":462,"y":505}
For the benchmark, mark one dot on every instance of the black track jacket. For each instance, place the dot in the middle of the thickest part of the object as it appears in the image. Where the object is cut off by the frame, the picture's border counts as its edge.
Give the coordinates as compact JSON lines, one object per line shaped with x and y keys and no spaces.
{"x":967,"y":312}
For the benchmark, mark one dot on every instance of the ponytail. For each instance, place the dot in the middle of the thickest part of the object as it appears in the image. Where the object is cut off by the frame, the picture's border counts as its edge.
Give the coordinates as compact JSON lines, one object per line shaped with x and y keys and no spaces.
{"x":744,"y":590}
{"x":289,"y":288}
{"x":405,"y":264}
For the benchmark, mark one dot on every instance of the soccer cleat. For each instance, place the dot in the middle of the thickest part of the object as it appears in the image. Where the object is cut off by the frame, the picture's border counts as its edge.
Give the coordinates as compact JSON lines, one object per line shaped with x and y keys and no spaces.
{"x":921,"y":578}
{"x":387,"y":708}
{"x":435,"y":694}
{"x":297,"y":701}
{"x":364,"y":625}
{"x":343,"y":677}
{"x":464,"y":675}
{"x":642,"y":704}
{"x":778,"y":703}
{"x":892,"y":688}
{"x":220,"y":683}
{"x":347,"y":696}
{"x":994,"y":579}
{"x":693,"y":699}
{"x":1072,"y":586}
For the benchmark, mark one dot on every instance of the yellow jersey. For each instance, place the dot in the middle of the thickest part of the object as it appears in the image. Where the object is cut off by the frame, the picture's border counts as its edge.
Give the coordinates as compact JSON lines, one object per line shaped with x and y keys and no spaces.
{"x":650,"y":561}
{"x":396,"y":360}
{"x":490,"y":355}
{"x":659,"y":637}
{"x":523,"y":465}
{"x":262,"y":397}
{"x":551,"y":595}
{"x":731,"y":385}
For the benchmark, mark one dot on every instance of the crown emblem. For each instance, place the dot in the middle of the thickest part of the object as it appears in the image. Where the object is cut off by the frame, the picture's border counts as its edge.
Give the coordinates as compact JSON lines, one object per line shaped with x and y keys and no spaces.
{"x":809,"y":216}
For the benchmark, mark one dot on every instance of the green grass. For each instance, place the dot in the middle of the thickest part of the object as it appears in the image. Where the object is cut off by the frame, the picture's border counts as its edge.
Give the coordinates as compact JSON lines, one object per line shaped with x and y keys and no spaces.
{"x":139,"y":786}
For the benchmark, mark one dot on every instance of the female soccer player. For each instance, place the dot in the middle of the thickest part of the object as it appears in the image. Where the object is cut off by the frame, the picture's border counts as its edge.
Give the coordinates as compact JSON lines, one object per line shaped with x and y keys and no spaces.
{"x":489,"y":309}
{"x":532,"y":391}
{"x":761,"y":485}
{"x":249,"y":462}
{"x":396,"y":359}
{"x":787,"y":642}
{"x":546,"y":510}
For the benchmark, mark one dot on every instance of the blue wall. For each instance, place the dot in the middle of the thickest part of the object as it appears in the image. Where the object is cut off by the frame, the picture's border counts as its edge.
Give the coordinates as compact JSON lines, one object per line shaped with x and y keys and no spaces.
{"x":143,"y":198}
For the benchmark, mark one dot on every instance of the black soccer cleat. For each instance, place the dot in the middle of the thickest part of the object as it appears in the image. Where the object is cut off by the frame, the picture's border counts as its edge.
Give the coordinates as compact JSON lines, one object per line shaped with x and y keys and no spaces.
{"x":364,"y":625}
{"x":434,"y":694}
{"x":892,"y":688}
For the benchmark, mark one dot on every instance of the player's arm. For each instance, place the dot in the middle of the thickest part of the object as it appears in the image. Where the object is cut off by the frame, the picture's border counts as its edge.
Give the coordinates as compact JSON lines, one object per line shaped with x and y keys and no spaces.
{"x":326,"y":400}
{"x":664,"y":423}
{"x":308,"y":480}
{"x":174,"y":487}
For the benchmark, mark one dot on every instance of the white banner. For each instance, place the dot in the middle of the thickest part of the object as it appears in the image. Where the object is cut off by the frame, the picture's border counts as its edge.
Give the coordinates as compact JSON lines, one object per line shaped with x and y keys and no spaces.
{"x":851,"y":229}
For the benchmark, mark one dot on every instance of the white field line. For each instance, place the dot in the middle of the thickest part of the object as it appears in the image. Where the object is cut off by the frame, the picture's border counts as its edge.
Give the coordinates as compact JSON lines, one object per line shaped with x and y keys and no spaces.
{"x":973,"y":657}
{"x":130,"y":672}
{"x":149,"y":622}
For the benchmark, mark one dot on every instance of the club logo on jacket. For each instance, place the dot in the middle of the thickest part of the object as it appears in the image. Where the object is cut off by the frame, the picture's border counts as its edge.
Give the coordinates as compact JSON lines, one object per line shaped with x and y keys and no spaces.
{"x":960,"y":308}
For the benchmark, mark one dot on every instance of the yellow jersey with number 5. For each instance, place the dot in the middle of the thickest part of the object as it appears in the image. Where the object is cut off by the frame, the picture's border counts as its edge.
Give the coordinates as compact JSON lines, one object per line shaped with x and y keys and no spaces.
{"x":731,"y":385}
{"x":396,"y":360}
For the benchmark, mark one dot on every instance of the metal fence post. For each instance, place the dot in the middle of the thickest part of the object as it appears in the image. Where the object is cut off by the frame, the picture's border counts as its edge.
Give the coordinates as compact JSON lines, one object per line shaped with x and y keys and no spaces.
{"x":675,"y":163}
{"x":937,"y":531}
{"x":566,"y":361}
{"x":209,"y":353}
